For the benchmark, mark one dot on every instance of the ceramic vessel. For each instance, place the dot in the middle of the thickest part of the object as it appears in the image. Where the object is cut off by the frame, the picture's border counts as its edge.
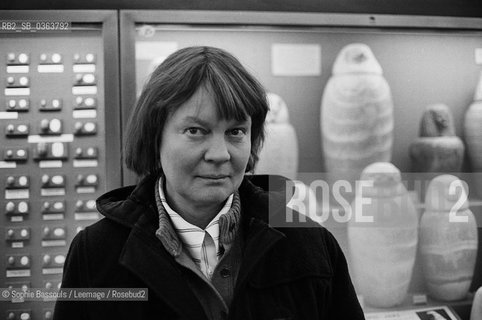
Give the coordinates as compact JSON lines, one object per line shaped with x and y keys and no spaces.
{"x":448,"y":239}
{"x":437,"y":149}
{"x":356,"y":114}
{"x":473,"y":136}
{"x":476,"y":312}
{"x":279,"y":154}
{"x":382,"y":251}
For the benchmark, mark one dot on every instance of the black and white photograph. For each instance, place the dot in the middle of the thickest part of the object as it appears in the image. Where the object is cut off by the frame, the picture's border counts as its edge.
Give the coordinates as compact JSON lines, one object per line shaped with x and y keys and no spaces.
{"x":223,"y":160}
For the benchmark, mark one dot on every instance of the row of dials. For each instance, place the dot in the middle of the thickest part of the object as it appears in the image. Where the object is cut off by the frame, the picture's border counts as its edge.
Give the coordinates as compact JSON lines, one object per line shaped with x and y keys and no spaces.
{"x":55,"y":207}
{"x":27,"y":314}
{"x":20,"y":264}
{"x":51,"y":181}
{"x":23,"y":104}
{"x":23,"y":58}
{"x":49,"y":234}
{"x":49,"y":151}
{"x":50,"y":127}
{"x":87,"y":79}
{"x":25,"y":285}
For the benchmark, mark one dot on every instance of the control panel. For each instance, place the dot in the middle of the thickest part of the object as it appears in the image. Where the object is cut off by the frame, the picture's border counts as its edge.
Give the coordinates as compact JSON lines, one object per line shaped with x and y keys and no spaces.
{"x":52,"y":156}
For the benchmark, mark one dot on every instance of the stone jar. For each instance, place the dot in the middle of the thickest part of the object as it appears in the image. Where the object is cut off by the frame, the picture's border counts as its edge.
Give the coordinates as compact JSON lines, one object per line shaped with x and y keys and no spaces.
{"x":279,"y":154}
{"x":382,"y":251}
{"x":473,"y":136}
{"x":356,"y":114}
{"x":448,"y":239}
{"x":476,"y":311}
{"x":437,"y":149}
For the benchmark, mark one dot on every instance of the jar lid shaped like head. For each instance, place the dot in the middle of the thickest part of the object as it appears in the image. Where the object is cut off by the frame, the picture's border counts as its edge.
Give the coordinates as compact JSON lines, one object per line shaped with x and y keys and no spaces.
{"x":380,"y":179}
{"x":437,"y":121}
{"x":356,"y":58}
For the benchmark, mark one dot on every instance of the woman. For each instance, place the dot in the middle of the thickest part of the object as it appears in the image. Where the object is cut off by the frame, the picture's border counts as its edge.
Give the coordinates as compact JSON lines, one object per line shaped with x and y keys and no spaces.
{"x":195,"y":230}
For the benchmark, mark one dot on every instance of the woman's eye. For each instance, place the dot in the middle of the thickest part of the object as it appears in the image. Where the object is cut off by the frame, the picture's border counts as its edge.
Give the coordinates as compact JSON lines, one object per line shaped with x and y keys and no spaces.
{"x":194,"y":131}
{"x":237,"y":132}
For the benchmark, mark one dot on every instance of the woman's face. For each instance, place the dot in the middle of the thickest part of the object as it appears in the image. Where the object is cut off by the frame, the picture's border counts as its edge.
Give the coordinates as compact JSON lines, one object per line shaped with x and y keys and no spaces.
{"x":203,"y":157}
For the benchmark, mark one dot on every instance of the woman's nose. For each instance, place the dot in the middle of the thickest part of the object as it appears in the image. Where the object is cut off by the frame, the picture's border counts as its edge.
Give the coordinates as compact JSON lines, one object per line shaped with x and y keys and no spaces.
{"x":217,"y":150}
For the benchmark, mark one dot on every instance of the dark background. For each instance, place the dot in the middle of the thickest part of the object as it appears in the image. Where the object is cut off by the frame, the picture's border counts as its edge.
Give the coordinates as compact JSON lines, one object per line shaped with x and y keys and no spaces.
{"x":457,"y":8}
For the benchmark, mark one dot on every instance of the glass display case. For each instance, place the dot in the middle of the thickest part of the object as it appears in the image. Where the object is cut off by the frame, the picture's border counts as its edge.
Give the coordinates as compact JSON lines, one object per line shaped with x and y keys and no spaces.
{"x":67,"y":96}
{"x":424,"y":60}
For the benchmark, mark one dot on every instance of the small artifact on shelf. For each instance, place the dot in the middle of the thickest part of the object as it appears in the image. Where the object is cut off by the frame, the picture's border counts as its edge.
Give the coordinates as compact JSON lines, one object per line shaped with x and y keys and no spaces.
{"x":382,"y":251}
{"x":448,"y":239}
{"x":437,"y":149}
{"x":279,"y":154}
{"x":356,"y":114}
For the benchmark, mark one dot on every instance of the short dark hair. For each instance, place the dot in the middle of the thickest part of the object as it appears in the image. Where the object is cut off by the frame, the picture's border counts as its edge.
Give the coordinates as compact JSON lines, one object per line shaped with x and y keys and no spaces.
{"x":237,"y":95}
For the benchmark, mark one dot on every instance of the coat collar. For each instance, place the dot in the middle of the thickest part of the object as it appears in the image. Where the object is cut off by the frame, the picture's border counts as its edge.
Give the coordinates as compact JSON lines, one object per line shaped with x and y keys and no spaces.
{"x":126,"y":205}
{"x":145,"y":256}
{"x":227,"y":223}
{"x":264,"y":195}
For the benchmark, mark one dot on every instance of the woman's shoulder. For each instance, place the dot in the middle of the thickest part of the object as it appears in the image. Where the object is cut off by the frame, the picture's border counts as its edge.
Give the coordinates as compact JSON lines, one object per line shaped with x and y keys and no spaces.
{"x":103,"y":236}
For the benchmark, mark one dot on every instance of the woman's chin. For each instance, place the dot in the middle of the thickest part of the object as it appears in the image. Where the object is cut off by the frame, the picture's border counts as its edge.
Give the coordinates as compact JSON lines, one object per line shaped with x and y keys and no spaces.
{"x":211,"y":195}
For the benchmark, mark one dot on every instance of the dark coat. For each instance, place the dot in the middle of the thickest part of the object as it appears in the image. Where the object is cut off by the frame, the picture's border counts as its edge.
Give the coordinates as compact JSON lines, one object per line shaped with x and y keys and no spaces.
{"x":286,"y":273}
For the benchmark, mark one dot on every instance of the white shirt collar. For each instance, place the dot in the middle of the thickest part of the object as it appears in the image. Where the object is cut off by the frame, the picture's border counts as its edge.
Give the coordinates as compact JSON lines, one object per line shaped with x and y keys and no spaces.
{"x":192,"y":236}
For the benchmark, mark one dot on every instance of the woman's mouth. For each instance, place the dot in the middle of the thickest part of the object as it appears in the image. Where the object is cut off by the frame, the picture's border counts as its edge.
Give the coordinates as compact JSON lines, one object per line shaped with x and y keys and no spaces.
{"x":214,"y":176}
